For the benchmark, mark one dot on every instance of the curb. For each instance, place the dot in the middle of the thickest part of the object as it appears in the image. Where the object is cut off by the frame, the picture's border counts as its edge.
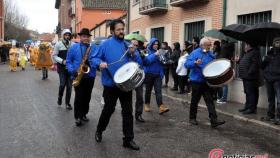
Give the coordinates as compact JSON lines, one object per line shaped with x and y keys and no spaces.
{"x":237,"y":117}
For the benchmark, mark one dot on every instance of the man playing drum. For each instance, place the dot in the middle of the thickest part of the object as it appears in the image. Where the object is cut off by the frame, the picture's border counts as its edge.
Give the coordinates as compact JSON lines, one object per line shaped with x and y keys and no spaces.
{"x":109,"y":52}
{"x":197,"y":60}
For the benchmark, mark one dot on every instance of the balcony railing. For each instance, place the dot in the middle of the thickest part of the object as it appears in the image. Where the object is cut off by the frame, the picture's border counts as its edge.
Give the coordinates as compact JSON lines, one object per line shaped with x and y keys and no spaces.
{"x":147,"y":7}
{"x":181,"y":3}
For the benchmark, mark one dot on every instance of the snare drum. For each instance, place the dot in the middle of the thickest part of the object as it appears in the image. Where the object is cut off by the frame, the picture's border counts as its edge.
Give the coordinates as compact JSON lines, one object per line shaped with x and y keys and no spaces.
{"x":129,"y":76}
{"x":218,"y":73}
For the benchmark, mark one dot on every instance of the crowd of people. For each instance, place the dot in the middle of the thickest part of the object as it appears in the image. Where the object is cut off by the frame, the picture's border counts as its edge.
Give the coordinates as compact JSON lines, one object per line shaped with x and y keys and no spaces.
{"x":157,"y":60}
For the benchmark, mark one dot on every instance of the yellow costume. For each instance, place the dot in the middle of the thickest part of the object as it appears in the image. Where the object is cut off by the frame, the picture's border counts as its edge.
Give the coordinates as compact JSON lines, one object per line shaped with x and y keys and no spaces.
{"x":22,"y":58}
{"x":32,"y":56}
{"x":44,"y":56}
{"x":13,"y":56}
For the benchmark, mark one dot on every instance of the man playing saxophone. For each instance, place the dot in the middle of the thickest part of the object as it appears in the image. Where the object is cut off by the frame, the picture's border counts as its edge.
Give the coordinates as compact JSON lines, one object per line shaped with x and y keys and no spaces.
{"x":83,"y":76}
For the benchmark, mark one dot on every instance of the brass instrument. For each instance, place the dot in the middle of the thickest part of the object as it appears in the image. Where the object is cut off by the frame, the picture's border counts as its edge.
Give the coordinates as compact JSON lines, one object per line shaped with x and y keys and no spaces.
{"x":83,"y":69}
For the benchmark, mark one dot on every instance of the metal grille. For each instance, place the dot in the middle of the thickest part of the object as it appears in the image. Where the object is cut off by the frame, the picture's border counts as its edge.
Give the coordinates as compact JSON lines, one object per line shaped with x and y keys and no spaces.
{"x":158,"y":33}
{"x":194,"y":29}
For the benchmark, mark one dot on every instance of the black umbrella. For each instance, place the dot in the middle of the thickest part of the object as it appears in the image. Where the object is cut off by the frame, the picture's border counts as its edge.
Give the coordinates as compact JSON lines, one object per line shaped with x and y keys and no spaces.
{"x":263,"y":33}
{"x":235,"y":31}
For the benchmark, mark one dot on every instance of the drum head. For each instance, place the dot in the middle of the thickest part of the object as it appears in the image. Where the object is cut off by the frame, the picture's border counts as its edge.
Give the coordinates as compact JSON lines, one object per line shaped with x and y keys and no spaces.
{"x":216,"y":68}
{"x":125,"y":72}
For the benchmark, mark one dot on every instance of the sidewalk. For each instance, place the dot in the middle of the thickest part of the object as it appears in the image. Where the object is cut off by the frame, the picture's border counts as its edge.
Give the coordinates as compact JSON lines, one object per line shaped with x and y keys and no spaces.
{"x":229,"y":109}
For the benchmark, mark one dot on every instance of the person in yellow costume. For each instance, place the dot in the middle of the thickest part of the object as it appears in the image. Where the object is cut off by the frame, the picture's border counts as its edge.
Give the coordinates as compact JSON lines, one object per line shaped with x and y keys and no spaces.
{"x":32,"y":58}
{"x":44,"y":60}
{"x":36,"y":54}
{"x":22,"y":58}
{"x":13,"y":56}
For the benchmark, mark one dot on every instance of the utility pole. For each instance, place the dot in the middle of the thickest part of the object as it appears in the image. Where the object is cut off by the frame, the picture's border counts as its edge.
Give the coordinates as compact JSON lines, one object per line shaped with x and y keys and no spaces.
{"x":128,"y":17}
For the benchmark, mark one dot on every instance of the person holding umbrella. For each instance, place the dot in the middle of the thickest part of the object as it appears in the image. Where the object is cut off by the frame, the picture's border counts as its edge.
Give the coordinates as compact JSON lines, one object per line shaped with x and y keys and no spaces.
{"x":270,"y":65}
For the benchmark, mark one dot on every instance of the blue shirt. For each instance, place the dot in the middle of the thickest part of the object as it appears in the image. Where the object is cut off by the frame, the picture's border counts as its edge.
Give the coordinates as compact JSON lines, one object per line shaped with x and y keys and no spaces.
{"x":111,"y":51}
{"x":152,"y":65}
{"x":196,"y":70}
{"x":74,"y":58}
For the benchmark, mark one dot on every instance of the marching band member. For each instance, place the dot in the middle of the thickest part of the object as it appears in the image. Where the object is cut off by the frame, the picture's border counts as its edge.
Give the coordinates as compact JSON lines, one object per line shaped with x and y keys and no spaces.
{"x":44,"y":60}
{"x":154,"y":74}
{"x":111,"y":51}
{"x":22,"y":58}
{"x":59,"y":57}
{"x":13,"y":53}
{"x":77,"y":58}
{"x":196,"y":61}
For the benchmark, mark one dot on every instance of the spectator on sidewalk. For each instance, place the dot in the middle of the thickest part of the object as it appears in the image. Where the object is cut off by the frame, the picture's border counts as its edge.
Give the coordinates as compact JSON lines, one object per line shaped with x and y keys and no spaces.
{"x":175,"y":58}
{"x":182,"y":73}
{"x":166,"y":66}
{"x":271,"y":67}
{"x":196,"y":61}
{"x":188,"y":50}
{"x":195,"y":43}
{"x":249,"y":72}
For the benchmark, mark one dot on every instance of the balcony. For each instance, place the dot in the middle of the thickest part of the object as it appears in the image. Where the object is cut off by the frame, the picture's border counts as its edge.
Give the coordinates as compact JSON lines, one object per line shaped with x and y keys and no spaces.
{"x":181,"y":3}
{"x":148,"y":7}
{"x":71,"y":12}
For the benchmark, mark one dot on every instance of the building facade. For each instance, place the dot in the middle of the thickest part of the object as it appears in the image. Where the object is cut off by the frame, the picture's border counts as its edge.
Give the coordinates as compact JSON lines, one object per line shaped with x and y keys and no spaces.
{"x":175,"y":20}
{"x":2,"y":19}
{"x":90,"y":13}
{"x":64,"y":20}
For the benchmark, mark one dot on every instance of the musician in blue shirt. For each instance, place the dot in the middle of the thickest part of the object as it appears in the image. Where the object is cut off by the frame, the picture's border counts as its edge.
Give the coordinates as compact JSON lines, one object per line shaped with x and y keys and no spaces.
{"x":110,"y":51}
{"x":196,"y":62}
{"x":74,"y":59}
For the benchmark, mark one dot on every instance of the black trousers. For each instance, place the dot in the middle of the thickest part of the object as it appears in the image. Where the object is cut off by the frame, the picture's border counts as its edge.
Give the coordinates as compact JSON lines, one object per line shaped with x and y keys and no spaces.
{"x":273,"y":93}
{"x":111,"y":95}
{"x":198,"y":90}
{"x":139,"y":101}
{"x":166,"y":73}
{"x":175,"y":77}
{"x":82,"y":97}
{"x":65,"y":81}
{"x":183,"y":82}
{"x":251,"y":90}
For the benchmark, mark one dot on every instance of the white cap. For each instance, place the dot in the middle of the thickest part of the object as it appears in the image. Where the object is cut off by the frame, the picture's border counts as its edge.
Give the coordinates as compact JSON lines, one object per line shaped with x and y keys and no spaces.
{"x":65,"y":31}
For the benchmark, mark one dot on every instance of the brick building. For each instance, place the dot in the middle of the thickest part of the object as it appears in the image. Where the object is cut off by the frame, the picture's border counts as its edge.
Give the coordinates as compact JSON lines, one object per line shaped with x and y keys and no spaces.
{"x":175,"y":20}
{"x":1,"y":19}
{"x":64,"y":19}
{"x":90,"y":13}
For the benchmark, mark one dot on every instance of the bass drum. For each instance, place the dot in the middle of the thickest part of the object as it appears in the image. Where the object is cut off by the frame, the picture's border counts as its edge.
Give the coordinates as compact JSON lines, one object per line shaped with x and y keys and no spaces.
{"x":218,"y":73}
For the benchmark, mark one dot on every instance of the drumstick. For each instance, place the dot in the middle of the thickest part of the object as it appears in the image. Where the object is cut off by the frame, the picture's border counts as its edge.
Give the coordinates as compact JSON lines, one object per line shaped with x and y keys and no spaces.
{"x":121,"y":58}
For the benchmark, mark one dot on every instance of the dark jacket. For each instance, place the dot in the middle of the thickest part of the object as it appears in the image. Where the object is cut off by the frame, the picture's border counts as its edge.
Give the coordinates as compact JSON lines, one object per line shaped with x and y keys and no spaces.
{"x":175,"y":55}
{"x":250,"y":64}
{"x":271,"y":66}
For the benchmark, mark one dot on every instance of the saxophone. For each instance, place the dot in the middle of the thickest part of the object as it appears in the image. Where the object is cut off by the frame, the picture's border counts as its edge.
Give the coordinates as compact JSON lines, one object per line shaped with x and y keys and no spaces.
{"x":83,"y":69}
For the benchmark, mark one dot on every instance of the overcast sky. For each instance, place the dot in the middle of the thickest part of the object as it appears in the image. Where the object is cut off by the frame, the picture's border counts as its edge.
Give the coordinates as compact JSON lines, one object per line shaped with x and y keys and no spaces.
{"x":42,"y":15}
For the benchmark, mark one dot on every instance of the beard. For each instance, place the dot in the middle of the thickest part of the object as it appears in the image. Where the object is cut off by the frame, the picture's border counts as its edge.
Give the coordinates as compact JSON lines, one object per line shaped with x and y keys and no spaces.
{"x":120,"y":36}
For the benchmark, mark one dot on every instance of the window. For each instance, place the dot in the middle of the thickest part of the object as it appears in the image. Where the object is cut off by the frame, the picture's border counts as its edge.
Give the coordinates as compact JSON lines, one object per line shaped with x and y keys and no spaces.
{"x":252,"y":19}
{"x":194,"y":29}
{"x":158,"y":33}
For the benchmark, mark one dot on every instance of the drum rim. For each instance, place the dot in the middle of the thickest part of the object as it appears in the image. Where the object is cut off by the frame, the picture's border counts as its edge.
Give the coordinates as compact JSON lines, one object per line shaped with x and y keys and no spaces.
{"x":227,"y":82}
{"x":122,"y":66}
{"x":221,"y":73}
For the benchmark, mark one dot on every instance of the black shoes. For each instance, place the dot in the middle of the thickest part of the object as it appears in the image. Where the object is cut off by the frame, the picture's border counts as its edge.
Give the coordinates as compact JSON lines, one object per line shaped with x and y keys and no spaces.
{"x":216,"y":123}
{"x":181,"y":92}
{"x":59,"y":101}
{"x":98,"y":136}
{"x":139,"y":118}
{"x":242,"y":110}
{"x":174,"y":89}
{"x":248,"y":112}
{"x":193,"y":122}
{"x":131,"y":145}
{"x":78,"y":122}
{"x":267,"y":118}
{"x":68,"y":107}
{"x":85,"y":119}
